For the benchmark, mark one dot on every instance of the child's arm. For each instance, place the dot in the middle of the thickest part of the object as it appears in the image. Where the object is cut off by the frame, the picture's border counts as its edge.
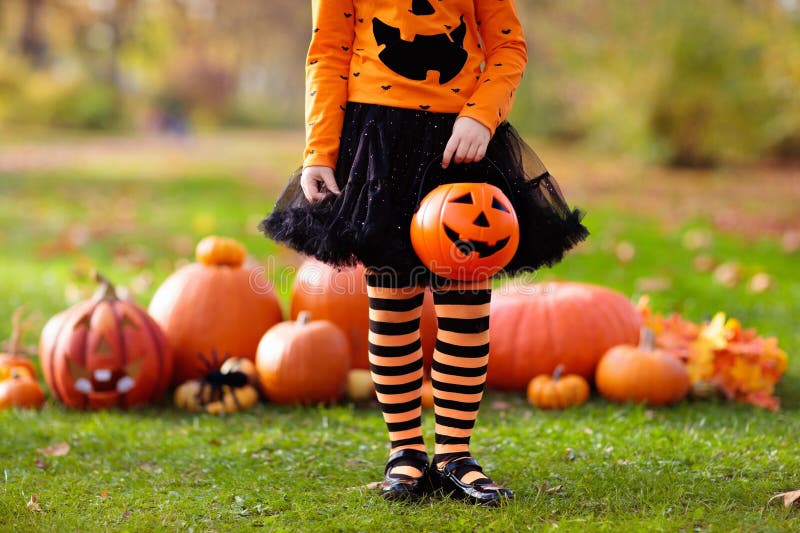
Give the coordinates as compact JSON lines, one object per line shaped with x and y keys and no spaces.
{"x":506,"y":57}
{"x":327,"y":73}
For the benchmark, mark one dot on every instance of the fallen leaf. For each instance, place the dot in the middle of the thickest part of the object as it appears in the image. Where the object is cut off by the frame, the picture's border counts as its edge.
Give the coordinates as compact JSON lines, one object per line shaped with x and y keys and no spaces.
{"x":788,"y":497}
{"x":104,"y":494}
{"x":728,"y":274}
{"x":41,"y":463}
{"x":56,"y":450}
{"x":33,"y":504}
{"x":704,"y":263}
{"x":696,"y":239}
{"x":554,"y":490}
{"x":653,"y":284}
{"x":369,"y":486}
{"x":625,"y":251}
{"x":760,"y":282}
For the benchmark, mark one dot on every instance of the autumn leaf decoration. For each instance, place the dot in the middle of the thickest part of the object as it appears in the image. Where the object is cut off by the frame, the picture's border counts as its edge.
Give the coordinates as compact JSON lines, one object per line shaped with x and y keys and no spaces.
{"x":722,"y":356}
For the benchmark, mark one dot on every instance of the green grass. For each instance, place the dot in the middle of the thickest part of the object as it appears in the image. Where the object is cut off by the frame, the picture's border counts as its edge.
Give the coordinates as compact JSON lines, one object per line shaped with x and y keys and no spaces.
{"x":705,"y":466}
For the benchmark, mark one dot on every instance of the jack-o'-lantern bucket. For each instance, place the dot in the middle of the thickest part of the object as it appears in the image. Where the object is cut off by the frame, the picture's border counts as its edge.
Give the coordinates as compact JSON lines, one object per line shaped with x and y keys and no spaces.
{"x":465,"y":231}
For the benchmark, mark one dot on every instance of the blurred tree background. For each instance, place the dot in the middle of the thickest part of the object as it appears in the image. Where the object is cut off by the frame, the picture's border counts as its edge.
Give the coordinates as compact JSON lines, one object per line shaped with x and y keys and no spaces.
{"x":674,"y":81}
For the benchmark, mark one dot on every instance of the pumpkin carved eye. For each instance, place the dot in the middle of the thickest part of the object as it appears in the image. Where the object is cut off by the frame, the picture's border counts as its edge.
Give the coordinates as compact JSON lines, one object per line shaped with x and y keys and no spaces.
{"x":496,"y":204}
{"x":463,"y":199}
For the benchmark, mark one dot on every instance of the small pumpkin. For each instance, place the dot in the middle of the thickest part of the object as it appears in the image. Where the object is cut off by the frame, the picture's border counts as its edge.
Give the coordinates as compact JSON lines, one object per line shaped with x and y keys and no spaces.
{"x":340,"y":295}
{"x":628,"y":373}
{"x":558,"y":391}
{"x":217,"y":303}
{"x":303,"y":361}
{"x":14,"y":358}
{"x":427,"y":393}
{"x":20,"y":390}
{"x":536,"y":327}
{"x":465,"y":231}
{"x":105,"y":352}
{"x":359,"y":385}
{"x":18,"y":384}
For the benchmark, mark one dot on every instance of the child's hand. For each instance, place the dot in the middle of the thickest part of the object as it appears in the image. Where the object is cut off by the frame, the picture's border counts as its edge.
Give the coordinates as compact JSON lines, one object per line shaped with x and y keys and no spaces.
{"x":468,"y":142}
{"x":315,"y":180}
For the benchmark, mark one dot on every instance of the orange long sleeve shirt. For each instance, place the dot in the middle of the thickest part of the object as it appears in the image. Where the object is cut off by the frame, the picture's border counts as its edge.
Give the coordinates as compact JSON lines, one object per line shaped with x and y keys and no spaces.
{"x":446,"y":56}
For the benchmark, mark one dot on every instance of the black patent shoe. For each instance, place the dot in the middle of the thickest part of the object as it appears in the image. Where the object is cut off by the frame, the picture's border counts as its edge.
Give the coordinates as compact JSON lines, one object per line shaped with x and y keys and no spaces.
{"x":482,"y":491}
{"x":403,"y":487}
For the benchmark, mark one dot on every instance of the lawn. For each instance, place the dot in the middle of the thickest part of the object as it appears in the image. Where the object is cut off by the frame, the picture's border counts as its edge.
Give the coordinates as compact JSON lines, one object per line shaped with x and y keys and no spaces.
{"x":134,"y":210}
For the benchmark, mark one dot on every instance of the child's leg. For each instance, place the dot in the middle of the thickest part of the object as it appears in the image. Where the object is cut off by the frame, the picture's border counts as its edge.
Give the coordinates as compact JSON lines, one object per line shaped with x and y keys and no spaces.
{"x":459,"y":366}
{"x":395,"y":356}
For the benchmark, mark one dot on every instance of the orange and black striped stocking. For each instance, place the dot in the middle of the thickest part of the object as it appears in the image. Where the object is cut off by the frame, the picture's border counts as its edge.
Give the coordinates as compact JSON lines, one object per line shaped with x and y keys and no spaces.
{"x":459,"y":366}
{"x":395,"y":358}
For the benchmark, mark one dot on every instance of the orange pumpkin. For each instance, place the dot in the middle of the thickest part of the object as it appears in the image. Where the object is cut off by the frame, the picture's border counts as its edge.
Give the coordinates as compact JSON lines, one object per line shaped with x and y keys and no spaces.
{"x":558,"y":391}
{"x":628,"y":373}
{"x":18,"y":384}
{"x":14,"y":358}
{"x":215,"y":305}
{"x":305,"y":361}
{"x":465,"y":231}
{"x":427,"y":394}
{"x":105,"y":352}
{"x":536,"y":327}
{"x":340,"y":295}
{"x":20,"y":390}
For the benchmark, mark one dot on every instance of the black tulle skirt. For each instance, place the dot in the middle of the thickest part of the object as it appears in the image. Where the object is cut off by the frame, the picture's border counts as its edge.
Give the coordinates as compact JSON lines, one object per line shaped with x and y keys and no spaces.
{"x":384,"y":153}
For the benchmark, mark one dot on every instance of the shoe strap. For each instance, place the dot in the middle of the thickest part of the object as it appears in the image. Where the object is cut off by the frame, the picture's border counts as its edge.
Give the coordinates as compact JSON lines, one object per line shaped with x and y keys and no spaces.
{"x":410,"y":457}
{"x":461,"y":465}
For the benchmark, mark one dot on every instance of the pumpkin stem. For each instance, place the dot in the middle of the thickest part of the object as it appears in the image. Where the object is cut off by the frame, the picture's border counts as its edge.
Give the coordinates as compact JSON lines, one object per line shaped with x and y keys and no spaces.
{"x":17,"y":328}
{"x":647,"y":339}
{"x":106,"y":290}
{"x":304,"y":317}
{"x":557,"y":372}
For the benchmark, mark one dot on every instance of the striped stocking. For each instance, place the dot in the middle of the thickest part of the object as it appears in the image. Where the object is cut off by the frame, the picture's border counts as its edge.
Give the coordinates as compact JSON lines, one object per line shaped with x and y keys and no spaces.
{"x":395,"y":357}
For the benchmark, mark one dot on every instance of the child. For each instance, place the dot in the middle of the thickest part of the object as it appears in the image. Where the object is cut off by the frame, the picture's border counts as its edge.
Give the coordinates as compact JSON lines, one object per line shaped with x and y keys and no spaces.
{"x":392,"y":86}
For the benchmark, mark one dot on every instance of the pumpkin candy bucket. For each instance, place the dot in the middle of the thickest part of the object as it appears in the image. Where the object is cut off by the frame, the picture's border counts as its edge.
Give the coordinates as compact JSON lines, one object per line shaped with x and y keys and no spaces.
{"x":465,"y":231}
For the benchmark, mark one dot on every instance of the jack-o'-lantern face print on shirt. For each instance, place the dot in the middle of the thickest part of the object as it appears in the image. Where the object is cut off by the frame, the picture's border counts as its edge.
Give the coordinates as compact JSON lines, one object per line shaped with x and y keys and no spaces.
{"x":413,"y":59}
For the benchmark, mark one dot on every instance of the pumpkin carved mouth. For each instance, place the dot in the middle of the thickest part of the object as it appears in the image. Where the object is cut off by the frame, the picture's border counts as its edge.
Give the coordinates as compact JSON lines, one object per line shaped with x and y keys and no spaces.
{"x":443,"y":52}
{"x":104,"y":380}
{"x":466,"y":246}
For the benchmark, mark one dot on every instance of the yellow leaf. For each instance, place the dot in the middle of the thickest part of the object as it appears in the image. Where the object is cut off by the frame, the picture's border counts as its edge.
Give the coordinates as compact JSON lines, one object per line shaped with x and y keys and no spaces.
{"x":701,"y":360}
{"x":715,"y":333}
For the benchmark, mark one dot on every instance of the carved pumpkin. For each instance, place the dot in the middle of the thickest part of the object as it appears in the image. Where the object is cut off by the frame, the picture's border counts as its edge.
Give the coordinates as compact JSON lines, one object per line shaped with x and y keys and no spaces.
{"x":628,"y":373}
{"x":558,"y":391}
{"x":305,"y":361}
{"x":340,"y":295}
{"x":536,"y":327}
{"x":217,"y":304}
{"x":105,"y":352}
{"x":465,"y":231}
